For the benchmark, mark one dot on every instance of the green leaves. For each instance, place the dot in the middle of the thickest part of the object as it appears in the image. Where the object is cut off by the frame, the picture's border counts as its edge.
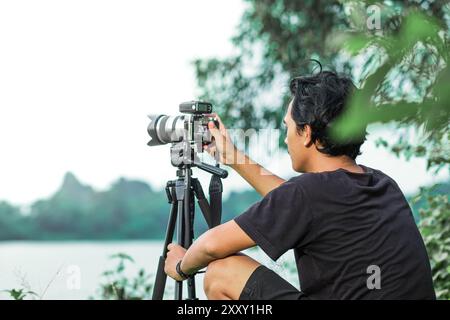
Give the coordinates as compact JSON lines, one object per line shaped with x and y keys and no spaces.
{"x":118,"y":285}
{"x":435,"y":229}
{"x":419,"y":27}
{"x":20,"y":294}
{"x":356,"y":43}
{"x":408,"y":85}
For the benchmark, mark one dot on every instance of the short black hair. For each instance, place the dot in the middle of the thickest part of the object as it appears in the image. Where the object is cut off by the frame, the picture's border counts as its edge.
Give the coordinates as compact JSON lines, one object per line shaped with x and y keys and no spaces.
{"x":318,"y":100}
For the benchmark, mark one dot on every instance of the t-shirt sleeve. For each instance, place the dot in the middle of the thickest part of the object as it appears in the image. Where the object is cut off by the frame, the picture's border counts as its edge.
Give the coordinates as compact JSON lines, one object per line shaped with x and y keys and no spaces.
{"x":280,"y":221}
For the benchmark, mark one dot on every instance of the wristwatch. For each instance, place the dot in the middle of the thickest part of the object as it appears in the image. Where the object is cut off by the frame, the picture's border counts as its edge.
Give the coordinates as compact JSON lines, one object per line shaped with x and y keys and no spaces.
{"x":180,"y":272}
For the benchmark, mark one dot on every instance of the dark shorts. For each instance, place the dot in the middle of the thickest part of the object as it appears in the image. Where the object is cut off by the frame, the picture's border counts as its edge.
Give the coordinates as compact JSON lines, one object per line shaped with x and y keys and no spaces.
{"x":264,"y":284}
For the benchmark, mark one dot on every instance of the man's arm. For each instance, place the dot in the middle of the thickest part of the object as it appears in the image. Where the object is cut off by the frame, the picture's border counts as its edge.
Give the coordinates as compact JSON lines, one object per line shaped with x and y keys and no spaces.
{"x":219,"y":242}
{"x":259,"y":178}
{"x":256,"y":175}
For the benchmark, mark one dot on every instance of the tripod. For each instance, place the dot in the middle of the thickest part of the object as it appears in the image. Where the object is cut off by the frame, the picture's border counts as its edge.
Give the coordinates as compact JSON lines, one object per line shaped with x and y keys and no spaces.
{"x":180,"y":194}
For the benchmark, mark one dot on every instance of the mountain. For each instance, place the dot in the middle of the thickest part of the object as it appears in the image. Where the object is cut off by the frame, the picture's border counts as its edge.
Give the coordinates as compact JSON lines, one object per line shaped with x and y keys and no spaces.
{"x":129,"y":209}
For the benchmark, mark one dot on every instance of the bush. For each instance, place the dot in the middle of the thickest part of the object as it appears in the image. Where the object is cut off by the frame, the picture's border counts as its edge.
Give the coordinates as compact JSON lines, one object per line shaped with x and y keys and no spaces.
{"x":119,"y":287}
{"x":435,"y":229}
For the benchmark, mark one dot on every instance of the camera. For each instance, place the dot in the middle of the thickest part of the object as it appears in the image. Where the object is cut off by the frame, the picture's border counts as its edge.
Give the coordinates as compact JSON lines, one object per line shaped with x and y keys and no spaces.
{"x":187,"y":134}
{"x":190,"y":128}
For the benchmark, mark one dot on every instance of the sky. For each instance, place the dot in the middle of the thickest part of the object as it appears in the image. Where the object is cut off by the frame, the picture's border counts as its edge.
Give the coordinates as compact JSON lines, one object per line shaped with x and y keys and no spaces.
{"x":78,"y":79}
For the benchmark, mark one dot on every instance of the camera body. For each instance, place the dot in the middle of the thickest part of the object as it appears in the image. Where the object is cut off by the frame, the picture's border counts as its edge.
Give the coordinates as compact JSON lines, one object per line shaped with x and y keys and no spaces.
{"x":188,"y":132}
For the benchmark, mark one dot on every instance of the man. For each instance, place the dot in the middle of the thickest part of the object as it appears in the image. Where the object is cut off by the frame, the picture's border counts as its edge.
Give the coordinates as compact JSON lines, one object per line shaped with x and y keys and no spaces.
{"x":352,"y":231}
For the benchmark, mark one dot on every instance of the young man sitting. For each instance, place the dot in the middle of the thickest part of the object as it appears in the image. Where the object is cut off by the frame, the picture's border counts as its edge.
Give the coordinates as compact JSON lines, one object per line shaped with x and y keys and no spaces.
{"x":351,"y":229}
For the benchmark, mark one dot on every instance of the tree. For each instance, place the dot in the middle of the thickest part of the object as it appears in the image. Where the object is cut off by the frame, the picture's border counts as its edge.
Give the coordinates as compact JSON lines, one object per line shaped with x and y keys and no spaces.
{"x":13,"y":225}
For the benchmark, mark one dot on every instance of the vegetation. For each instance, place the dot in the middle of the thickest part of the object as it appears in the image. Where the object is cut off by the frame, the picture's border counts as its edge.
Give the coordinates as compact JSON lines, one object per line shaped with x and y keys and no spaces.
{"x":116,"y":285}
{"x":20,"y":294}
{"x":435,"y":229}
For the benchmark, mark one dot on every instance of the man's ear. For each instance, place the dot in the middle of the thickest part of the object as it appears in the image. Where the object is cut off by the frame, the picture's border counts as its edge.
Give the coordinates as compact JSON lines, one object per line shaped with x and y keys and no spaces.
{"x":307,"y":134}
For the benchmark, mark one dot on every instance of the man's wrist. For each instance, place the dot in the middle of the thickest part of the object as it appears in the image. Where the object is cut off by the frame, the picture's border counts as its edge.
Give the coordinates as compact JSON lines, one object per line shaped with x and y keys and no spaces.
{"x":180,"y":272}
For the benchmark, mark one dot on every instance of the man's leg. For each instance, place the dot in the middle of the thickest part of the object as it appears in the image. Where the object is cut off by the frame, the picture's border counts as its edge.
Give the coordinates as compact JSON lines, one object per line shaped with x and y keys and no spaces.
{"x":225,"y":278}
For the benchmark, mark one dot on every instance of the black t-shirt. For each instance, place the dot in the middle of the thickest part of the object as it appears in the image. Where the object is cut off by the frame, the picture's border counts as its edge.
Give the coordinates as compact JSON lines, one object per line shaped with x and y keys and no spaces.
{"x":353,"y":235}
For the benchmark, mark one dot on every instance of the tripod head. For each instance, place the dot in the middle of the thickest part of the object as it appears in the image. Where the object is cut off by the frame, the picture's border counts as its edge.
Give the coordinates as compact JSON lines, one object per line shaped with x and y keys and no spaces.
{"x":187,"y":133}
{"x":183,"y":155}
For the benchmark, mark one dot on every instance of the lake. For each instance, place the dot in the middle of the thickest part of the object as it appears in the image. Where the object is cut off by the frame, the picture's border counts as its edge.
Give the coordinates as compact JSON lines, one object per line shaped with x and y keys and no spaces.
{"x":48,"y":268}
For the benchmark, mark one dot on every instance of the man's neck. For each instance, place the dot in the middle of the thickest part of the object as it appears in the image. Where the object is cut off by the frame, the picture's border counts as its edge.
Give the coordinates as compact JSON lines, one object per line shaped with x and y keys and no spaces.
{"x":323,"y":162}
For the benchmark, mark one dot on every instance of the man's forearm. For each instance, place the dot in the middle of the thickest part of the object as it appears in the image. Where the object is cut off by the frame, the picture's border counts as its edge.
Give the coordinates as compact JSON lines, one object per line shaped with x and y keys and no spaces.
{"x":257,"y":176}
{"x":197,"y":256}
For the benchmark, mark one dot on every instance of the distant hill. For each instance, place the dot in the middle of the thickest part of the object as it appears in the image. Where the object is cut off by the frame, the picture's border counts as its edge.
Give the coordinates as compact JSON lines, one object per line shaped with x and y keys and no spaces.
{"x":129,"y":209}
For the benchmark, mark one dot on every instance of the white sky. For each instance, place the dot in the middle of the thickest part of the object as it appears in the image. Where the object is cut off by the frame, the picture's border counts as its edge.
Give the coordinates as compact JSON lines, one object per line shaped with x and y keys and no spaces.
{"x":78,"y":78}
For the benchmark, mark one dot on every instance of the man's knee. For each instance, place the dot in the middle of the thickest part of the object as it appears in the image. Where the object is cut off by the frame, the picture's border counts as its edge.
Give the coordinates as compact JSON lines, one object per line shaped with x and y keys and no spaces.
{"x":215,"y":274}
{"x":225,"y":278}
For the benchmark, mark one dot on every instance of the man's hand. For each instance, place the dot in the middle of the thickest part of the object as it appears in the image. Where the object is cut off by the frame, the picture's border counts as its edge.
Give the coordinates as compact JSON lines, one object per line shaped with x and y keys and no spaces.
{"x":222,"y":149}
{"x":175,"y":254}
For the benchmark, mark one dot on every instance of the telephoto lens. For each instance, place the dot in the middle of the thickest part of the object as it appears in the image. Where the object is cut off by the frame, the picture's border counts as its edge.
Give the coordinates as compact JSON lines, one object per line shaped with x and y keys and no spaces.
{"x":165,"y":129}
{"x":191,"y":127}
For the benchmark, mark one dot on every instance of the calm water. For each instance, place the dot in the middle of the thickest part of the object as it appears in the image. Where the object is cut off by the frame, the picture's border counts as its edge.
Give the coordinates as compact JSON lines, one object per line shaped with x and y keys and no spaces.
{"x":48,"y":268}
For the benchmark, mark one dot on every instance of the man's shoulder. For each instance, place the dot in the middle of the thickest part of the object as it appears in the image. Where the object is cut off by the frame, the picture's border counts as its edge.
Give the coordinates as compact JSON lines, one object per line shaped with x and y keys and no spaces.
{"x":304,"y":178}
{"x":317,"y":176}
{"x":334,"y":179}
{"x":306,"y":182}
{"x":309,"y":178}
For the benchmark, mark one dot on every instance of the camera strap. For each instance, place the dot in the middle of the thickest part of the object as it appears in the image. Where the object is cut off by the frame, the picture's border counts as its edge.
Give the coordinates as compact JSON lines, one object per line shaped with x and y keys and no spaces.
{"x":215,"y":199}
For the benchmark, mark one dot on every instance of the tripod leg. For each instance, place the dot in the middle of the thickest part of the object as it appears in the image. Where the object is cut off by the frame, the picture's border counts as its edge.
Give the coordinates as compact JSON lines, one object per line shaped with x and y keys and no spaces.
{"x":180,"y":191}
{"x":181,"y":194}
{"x":161,"y":276}
{"x":189,"y":211}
